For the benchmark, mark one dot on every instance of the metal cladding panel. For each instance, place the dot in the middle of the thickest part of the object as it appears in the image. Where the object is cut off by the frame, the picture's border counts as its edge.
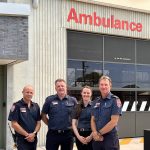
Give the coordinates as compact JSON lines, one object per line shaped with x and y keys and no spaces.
{"x":87,"y":11}
{"x":48,"y":43}
{"x":47,"y":56}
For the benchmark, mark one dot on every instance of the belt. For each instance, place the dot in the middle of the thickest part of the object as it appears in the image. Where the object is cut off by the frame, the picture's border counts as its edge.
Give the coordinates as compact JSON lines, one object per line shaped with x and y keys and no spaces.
{"x":59,"y":131}
{"x":84,"y":129}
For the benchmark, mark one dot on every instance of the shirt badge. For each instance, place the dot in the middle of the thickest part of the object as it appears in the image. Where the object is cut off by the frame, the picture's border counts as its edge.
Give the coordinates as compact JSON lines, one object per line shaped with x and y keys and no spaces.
{"x":12,"y":108}
{"x":55,"y":103}
{"x":118,"y":103}
{"x":23,"y":109}
{"x":97,"y":105}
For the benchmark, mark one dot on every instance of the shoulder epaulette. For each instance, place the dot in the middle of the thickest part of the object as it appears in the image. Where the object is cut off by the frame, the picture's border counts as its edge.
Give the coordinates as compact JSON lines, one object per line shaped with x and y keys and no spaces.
{"x":97,"y":98}
{"x":50,"y":97}
{"x":114,"y":96}
{"x":17,"y":102}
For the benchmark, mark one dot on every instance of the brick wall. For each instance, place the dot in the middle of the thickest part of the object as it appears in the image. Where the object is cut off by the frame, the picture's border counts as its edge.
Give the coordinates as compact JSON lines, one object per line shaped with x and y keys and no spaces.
{"x":13,"y":38}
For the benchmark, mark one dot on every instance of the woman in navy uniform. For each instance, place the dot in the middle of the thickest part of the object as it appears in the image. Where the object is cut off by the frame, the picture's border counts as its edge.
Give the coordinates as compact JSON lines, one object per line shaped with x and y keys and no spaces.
{"x":105,"y":115}
{"x":59,"y":108}
{"x":81,"y":121}
{"x":26,"y":120}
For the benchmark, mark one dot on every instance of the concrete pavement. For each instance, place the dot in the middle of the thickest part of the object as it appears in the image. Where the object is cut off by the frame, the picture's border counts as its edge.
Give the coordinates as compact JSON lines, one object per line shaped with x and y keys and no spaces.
{"x":132,"y":144}
{"x":125,"y":144}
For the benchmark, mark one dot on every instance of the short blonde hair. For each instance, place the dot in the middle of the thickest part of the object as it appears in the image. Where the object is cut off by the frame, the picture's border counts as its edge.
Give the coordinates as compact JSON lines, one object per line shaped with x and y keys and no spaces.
{"x":104,"y":77}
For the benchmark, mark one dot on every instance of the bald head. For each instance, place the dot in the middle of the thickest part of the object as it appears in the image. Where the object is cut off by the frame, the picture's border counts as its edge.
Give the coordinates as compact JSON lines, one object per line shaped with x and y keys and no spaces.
{"x":28,"y":93}
{"x":28,"y":87}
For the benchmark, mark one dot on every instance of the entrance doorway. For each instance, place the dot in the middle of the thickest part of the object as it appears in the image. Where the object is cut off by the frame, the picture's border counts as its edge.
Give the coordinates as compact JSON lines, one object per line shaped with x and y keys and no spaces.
{"x":2,"y":108}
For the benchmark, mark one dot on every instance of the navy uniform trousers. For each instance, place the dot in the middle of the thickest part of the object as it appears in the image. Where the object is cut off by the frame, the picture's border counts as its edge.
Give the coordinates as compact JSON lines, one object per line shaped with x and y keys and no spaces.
{"x":110,"y":142}
{"x":23,"y":144}
{"x":81,"y":146}
{"x":56,"y":138}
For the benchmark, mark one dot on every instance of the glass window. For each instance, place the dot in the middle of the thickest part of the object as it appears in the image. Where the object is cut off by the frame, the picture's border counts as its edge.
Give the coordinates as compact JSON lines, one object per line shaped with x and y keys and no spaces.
{"x":143,"y":76}
{"x":143,"y":51}
{"x":80,"y":73}
{"x":84,"y":46}
{"x":117,"y":49}
{"x":143,"y":103}
{"x":123,"y":75}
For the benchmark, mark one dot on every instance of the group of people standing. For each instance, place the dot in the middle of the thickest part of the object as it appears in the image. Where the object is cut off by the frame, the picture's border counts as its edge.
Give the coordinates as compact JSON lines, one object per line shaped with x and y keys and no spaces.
{"x":92,"y":123}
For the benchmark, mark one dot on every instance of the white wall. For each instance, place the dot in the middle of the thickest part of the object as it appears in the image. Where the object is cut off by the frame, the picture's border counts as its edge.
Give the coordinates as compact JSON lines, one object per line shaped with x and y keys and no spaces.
{"x":47,"y":58}
{"x":143,"y":5}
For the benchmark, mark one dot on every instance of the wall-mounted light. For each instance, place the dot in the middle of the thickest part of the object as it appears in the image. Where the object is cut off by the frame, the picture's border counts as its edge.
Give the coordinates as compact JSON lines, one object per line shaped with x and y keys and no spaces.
{"x":35,"y":3}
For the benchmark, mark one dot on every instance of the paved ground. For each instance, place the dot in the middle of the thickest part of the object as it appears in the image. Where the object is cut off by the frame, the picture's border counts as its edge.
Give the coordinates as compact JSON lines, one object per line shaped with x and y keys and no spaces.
{"x":125,"y":144}
{"x":131,"y":144}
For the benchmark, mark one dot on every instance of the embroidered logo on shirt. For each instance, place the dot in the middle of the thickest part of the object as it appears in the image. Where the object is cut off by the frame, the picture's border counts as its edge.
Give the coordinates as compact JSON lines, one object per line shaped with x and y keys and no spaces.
{"x":69,"y":103}
{"x":22,"y":109}
{"x":12,"y":108}
{"x":118,"y":102}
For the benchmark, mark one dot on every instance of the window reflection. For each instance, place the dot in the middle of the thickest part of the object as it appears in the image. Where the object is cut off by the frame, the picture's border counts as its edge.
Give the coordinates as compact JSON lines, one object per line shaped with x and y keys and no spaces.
{"x":123,"y":75}
{"x":85,"y":46}
{"x":82,"y":73}
{"x":119,"y":49}
{"x":142,"y":51}
{"x":125,"y":60}
{"x":143,"y":76}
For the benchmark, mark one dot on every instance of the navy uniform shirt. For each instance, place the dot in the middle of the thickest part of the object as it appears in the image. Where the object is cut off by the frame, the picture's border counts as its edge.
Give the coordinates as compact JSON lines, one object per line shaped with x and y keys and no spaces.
{"x":26,"y":117}
{"x":84,"y":119}
{"x":103,"y":109}
{"x":59,"y":111}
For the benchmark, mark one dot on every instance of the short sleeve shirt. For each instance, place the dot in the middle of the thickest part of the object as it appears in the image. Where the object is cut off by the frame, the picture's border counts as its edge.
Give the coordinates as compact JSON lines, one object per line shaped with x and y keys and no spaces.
{"x":84,"y":119}
{"x":59,"y":111}
{"x":103,"y":109}
{"x":26,"y":117}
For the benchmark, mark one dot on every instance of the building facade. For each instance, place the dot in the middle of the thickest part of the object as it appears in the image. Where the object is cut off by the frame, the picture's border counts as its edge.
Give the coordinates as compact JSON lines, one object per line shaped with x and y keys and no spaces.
{"x":78,"y":40}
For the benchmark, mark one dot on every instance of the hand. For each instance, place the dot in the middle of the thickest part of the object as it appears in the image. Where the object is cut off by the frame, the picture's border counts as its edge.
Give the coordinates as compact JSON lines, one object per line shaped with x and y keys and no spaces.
{"x":101,"y":138}
{"x":97,"y":137}
{"x":30,"y":137}
{"x":88,"y":139}
{"x":82,"y":139}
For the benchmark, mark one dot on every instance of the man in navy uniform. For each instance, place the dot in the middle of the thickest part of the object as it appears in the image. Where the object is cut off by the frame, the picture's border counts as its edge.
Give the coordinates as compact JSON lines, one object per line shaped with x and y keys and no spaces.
{"x":59,"y":108}
{"x":105,"y":116}
{"x":26,"y":120}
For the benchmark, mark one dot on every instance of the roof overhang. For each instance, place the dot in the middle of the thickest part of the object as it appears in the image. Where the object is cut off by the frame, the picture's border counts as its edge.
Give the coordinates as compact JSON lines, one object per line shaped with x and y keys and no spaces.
{"x":14,"y":9}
